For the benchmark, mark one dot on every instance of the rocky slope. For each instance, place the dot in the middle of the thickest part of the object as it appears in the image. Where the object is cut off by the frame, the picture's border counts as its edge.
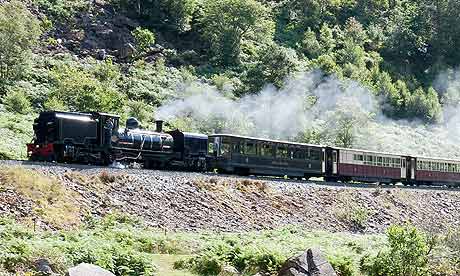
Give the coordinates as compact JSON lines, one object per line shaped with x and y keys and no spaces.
{"x":190,"y":201}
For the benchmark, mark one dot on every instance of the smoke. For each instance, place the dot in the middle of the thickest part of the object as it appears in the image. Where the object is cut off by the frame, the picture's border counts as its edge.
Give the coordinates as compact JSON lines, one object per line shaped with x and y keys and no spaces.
{"x":312,"y":107}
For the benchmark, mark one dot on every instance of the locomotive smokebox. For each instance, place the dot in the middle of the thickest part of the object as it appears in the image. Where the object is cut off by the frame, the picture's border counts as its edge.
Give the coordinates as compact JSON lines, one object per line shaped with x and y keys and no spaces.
{"x":159,"y":124}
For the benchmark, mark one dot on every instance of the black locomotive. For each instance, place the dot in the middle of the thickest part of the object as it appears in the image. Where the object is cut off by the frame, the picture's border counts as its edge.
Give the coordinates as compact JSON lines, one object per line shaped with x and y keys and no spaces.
{"x":96,"y":138}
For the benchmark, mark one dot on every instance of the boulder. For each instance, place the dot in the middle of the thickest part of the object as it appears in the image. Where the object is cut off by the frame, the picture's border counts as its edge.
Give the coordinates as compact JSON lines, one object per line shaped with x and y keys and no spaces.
{"x":229,"y":271}
{"x":43,"y":267}
{"x":309,"y":263}
{"x":318,"y":265}
{"x":126,"y":51}
{"x":88,"y":269}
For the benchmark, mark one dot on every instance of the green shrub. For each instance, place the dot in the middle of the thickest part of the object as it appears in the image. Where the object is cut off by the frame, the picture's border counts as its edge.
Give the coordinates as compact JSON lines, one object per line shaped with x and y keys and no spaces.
{"x":343,"y":266}
{"x":144,"y":38}
{"x":62,"y":10}
{"x":407,"y":254}
{"x":245,"y":258}
{"x":354,"y":215}
{"x":17,"y":101}
{"x":81,"y":90}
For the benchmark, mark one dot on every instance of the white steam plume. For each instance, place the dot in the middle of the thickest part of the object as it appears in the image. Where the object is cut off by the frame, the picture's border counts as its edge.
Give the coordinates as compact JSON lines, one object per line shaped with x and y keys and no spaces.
{"x":314,"y":101}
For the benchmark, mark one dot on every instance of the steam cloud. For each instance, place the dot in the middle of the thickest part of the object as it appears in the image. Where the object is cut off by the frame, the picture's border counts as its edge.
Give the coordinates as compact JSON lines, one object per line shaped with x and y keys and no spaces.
{"x":313,"y":101}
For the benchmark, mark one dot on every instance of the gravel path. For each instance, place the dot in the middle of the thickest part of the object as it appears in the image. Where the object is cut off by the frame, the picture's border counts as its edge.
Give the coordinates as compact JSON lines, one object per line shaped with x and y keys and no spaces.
{"x":192,"y":201}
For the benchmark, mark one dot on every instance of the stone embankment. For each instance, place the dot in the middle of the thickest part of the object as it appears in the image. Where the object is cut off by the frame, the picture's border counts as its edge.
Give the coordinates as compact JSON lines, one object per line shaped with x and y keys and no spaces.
{"x":192,"y":201}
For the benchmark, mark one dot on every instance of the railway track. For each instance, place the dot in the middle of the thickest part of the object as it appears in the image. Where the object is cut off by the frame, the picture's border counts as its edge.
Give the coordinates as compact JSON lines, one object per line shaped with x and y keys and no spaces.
{"x":316,"y":181}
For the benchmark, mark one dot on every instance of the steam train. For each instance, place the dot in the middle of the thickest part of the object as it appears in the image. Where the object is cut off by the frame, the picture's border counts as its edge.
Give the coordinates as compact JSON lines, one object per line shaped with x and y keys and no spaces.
{"x":97,"y":138}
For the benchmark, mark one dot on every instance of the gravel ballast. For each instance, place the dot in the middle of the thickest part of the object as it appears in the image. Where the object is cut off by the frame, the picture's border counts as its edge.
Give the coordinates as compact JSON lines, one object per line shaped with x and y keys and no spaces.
{"x":191,"y":201}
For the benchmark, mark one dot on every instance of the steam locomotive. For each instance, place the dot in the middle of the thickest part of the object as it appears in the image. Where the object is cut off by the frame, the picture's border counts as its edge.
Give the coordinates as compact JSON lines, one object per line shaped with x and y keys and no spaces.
{"x":97,"y":138}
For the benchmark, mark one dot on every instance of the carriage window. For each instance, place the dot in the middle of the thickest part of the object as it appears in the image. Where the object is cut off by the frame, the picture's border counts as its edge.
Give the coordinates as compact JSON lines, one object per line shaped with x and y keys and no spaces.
{"x":266,"y":150}
{"x":358,"y":157}
{"x":299,"y":153}
{"x":396,"y":162}
{"x":281,"y":152}
{"x":315,"y":154}
{"x":225,"y":146}
{"x":250,"y":148}
{"x":211,"y":147}
{"x":379,"y":161}
{"x":236,"y":148}
{"x":386,"y":161}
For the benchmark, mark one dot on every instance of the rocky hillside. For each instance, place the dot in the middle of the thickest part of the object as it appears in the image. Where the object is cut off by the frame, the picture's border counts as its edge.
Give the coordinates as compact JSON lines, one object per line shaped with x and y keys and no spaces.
{"x":189,"y":201}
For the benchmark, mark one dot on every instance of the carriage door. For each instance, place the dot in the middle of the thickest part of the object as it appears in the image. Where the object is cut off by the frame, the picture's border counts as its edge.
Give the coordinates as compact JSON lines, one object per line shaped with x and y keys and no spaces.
{"x":413,"y":163}
{"x":323,"y":161}
{"x":331,"y":161}
{"x":334,"y":161}
{"x":403,"y":168}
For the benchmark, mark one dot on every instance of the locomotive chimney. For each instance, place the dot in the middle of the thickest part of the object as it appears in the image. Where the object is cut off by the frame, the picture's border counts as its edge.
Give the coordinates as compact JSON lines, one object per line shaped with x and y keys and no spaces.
{"x":159,"y":124}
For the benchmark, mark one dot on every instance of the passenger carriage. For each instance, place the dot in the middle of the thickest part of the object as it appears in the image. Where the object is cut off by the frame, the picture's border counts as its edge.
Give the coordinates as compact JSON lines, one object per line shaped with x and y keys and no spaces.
{"x":371,"y":166}
{"x":437,"y":171}
{"x":248,"y":155}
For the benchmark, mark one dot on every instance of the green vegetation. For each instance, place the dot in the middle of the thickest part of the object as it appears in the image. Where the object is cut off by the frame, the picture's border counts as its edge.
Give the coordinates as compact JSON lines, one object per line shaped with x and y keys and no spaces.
{"x":396,"y":49}
{"x":125,"y":246}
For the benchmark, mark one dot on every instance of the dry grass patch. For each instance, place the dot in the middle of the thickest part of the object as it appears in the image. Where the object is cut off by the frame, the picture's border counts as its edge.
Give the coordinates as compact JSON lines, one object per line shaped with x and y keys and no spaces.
{"x":54,"y":203}
{"x":251,"y":186}
{"x":212,"y":184}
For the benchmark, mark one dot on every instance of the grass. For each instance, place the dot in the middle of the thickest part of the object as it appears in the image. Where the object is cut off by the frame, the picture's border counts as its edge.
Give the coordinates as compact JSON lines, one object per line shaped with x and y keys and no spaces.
{"x":165,"y":264}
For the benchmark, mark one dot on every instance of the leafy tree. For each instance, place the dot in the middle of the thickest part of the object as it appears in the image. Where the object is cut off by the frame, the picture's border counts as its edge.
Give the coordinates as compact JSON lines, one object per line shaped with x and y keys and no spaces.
{"x":226,"y":23}
{"x":326,"y":38}
{"x":310,"y":44}
{"x":273,"y":65}
{"x":424,"y":106}
{"x":140,"y":110}
{"x":19,"y":33}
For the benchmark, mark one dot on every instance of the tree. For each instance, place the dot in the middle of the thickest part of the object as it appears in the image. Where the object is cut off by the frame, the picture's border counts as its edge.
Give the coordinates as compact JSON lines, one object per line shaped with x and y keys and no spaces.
{"x":310,"y":44}
{"x":226,"y":23}
{"x":424,"y":106}
{"x":274,"y":63}
{"x":19,"y":33}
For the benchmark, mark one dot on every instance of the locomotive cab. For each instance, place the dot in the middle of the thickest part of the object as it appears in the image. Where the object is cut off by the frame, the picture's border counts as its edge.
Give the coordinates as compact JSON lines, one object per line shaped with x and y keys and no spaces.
{"x":72,"y":137}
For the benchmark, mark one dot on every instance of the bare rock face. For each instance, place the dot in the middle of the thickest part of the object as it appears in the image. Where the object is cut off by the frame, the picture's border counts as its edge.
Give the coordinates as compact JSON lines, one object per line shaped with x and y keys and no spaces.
{"x":88,"y":269}
{"x":309,"y":263}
